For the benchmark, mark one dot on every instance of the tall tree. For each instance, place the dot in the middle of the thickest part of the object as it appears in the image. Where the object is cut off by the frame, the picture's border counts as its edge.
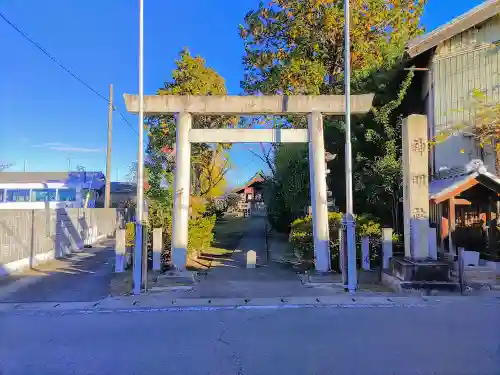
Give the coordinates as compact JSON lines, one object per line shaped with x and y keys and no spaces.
{"x":297,"y":47}
{"x":209,"y":162}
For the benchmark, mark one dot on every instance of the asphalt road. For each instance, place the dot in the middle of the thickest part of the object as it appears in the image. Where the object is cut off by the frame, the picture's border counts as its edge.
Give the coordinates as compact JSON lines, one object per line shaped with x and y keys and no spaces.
{"x":454,"y":339}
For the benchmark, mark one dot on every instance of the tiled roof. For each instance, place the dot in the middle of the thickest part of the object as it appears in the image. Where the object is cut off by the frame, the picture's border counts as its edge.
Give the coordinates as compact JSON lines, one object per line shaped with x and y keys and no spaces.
{"x":257,"y":178}
{"x":445,"y":185}
{"x":474,"y":170}
{"x":32,"y":177}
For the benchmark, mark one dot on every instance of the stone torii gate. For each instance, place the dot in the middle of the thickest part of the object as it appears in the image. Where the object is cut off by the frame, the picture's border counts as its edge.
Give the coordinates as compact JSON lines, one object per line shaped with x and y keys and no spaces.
{"x":186,"y":106}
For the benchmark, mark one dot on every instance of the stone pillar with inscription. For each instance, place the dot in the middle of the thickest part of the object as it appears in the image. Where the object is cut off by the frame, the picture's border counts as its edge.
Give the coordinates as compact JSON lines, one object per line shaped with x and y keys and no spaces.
{"x":416,"y":187}
{"x":416,"y":268}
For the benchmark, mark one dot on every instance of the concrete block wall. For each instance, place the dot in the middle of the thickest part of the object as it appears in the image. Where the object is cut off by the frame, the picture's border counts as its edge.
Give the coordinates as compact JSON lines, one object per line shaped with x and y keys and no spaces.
{"x":29,"y":237}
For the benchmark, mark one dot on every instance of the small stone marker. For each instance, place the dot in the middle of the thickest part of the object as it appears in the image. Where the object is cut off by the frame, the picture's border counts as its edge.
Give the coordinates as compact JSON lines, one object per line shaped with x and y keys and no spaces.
{"x":157,"y":247}
{"x":365,"y":253}
{"x":433,"y":243}
{"x":386,"y":247}
{"x":179,"y":258}
{"x":251,"y":259}
{"x":120,"y":251}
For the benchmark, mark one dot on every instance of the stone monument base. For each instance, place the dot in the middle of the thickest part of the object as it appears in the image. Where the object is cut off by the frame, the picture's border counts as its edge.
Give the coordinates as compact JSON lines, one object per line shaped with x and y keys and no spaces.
{"x":420,"y":271}
{"x":406,"y":274}
{"x":400,"y":286}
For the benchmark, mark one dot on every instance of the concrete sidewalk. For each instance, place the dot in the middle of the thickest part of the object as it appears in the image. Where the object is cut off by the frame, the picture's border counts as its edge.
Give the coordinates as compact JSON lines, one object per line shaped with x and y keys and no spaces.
{"x":81,"y":276}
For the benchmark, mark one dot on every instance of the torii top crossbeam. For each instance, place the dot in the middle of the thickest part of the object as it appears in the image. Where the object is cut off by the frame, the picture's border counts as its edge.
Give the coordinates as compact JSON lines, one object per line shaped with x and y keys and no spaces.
{"x":248,"y":105}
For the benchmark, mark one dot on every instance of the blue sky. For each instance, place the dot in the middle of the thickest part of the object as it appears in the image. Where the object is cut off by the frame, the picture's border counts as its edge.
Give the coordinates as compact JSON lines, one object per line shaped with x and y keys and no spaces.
{"x":47,"y":117}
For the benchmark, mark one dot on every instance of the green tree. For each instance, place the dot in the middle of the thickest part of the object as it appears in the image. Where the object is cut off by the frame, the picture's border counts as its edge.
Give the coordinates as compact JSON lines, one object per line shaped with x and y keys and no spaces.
{"x":287,"y":190}
{"x":232,"y":200}
{"x":209,"y":163}
{"x":296,"y":47}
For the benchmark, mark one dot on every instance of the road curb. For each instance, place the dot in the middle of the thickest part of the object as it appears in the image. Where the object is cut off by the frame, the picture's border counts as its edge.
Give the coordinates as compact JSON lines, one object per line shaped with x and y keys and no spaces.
{"x":130,"y":304}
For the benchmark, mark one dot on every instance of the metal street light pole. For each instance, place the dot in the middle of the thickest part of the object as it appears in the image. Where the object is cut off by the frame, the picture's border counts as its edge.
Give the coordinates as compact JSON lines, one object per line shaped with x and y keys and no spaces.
{"x":140,"y":161}
{"x":348,"y":221}
{"x":347,"y":85}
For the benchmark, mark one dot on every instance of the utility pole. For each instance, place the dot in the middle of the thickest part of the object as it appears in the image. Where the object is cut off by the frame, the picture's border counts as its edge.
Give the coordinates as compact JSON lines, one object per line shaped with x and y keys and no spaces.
{"x":107,"y":196}
{"x":137,"y":267}
{"x":348,"y":221}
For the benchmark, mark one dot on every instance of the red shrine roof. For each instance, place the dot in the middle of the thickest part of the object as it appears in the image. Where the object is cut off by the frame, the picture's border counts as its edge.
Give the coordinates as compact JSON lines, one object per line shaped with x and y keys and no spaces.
{"x":258,"y":178}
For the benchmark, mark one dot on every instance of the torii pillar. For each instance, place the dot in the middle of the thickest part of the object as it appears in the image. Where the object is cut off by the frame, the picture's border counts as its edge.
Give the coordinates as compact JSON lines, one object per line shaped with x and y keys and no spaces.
{"x":314,"y":106}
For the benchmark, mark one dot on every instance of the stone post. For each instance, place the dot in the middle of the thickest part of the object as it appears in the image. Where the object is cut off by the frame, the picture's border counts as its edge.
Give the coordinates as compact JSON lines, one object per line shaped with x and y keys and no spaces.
{"x":157,"y":248}
{"x":251,"y":259}
{"x":415,"y":187}
{"x":317,"y":166}
{"x":182,"y":176}
{"x":120,"y":250}
{"x":365,"y":253}
{"x":386,"y":247}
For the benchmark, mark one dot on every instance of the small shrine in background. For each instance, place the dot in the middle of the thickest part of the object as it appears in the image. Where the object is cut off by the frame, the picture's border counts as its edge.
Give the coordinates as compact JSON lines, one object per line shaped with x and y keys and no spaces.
{"x":252,"y":196}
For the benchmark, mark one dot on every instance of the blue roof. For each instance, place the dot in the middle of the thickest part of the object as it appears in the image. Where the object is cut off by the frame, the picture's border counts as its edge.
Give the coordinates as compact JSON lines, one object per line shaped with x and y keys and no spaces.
{"x":445,"y":185}
{"x":123,"y":187}
{"x":438,"y":187}
{"x":86,"y":180}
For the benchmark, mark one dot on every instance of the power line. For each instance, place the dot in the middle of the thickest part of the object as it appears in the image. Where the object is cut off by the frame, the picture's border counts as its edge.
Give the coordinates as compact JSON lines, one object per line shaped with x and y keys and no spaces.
{"x":67,"y":70}
{"x":126,"y":121}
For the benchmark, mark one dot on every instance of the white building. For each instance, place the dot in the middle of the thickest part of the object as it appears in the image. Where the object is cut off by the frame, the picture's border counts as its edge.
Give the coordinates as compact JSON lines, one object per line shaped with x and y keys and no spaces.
{"x":37,"y":190}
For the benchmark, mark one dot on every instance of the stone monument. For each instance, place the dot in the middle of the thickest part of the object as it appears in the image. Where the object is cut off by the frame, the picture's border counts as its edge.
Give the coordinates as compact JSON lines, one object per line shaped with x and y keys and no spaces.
{"x":416,"y":266}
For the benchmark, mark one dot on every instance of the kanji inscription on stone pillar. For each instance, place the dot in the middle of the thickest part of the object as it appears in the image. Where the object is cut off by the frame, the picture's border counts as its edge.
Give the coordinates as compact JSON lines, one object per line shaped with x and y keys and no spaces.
{"x":416,"y":187}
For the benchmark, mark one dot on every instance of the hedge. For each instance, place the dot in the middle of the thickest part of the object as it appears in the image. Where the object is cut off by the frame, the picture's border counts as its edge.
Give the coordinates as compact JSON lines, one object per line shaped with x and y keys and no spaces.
{"x":129,"y":234}
{"x":200,"y":236}
{"x":301,"y":236}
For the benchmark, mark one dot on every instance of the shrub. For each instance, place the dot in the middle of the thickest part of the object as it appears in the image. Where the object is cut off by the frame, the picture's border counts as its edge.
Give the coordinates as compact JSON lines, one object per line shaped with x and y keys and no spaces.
{"x":368,"y":226}
{"x":301,"y":235}
{"x":200,"y":231}
{"x":215,"y":209}
{"x":129,"y":234}
{"x":200,"y":234}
